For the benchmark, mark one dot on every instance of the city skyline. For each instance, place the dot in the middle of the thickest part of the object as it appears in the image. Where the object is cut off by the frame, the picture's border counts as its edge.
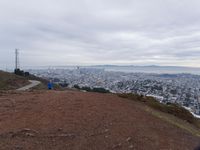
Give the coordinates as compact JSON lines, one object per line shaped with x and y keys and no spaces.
{"x":86,"y":32}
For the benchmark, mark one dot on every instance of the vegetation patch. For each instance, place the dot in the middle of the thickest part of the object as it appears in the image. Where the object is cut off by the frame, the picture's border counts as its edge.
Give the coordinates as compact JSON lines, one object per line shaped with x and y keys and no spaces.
{"x":9,"y":81}
{"x":169,"y":108}
{"x":88,"y":89}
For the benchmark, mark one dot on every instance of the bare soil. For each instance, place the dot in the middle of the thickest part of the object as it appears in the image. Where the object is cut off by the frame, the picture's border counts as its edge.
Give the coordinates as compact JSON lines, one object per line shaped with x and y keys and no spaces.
{"x":72,"y":120}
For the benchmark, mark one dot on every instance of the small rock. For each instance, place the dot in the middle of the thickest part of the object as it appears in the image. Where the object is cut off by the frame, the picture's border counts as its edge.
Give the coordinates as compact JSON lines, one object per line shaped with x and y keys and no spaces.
{"x":128,"y":139}
{"x":60,"y":129}
{"x":18,"y":147}
{"x":106,"y":130}
{"x":130,"y":147}
{"x":30,"y":134}
{"x":117,"y":146}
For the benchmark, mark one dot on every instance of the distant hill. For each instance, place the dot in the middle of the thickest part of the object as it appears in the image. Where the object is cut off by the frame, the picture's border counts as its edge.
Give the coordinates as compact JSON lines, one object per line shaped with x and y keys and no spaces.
{"x":10,"y":81}
{"x":136,"y":69}
{"x":152,"y":69}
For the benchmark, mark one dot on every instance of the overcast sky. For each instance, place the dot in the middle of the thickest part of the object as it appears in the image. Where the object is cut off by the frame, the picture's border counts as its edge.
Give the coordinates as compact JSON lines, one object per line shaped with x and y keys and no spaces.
{"x":89,"y":32}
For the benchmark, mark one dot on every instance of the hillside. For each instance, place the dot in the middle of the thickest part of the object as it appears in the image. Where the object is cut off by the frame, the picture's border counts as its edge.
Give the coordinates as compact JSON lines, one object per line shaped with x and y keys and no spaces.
{"x":57,"y":120}
{"x":9,"y":81}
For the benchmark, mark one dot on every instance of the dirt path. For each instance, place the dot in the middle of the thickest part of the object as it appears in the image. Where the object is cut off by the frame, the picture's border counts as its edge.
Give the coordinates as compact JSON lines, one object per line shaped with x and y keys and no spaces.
{"x":31,"y":85}
{"x":70,"y":120}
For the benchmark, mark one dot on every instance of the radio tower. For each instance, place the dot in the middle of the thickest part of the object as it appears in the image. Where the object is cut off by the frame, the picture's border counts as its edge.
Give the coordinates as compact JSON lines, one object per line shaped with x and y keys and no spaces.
{"x":16,"y":59}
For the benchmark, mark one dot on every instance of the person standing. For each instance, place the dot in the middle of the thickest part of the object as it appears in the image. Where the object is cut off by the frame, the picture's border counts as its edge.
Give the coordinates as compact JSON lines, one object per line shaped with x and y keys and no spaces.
{"x":50,"y":85}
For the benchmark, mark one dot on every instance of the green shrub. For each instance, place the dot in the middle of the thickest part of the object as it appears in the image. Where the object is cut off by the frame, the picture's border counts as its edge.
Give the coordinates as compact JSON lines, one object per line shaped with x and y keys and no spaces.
{"x":100,"y":90}
{"x":88,"y":89}
{"x":76,"y":86}
{"x":85,"y":88}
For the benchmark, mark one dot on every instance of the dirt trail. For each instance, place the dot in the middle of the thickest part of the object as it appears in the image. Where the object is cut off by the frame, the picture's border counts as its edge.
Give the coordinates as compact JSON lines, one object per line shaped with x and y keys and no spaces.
{"x":70,"y":120}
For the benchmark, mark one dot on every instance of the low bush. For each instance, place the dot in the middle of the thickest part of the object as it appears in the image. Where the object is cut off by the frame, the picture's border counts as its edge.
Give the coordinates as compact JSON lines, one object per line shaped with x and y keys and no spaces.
{"x":170,"y":108}
{"x":88,"y":89}
{"x":100,"y":90}
{"x":77,"y":87}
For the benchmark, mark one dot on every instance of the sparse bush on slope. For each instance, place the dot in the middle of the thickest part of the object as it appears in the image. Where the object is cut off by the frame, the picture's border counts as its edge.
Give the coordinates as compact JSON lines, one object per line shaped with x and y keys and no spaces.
{"x":170,"y":108}
{"x":9,"y":81}
{"x":88,"y":89}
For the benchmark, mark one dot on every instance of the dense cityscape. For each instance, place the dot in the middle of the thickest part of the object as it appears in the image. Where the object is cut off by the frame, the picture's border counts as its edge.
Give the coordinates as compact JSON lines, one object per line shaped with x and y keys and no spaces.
{"x":183,"y":89}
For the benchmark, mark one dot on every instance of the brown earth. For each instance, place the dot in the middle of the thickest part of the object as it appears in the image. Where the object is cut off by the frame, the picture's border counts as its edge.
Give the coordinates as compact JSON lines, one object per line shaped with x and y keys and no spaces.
{"x":72,"y":120}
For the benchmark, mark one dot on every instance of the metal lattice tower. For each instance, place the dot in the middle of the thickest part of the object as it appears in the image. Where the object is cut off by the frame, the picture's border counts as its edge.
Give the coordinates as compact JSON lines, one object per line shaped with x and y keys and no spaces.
{"x":16,"y":59}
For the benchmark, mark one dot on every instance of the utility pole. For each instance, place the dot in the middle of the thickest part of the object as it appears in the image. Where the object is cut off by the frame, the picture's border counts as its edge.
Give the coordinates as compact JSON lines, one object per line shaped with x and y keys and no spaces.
{"x":16,"y":59}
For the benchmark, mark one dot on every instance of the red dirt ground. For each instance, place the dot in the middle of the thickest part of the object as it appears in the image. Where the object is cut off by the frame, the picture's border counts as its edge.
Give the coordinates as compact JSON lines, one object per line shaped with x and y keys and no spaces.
{"x":72,"y":120}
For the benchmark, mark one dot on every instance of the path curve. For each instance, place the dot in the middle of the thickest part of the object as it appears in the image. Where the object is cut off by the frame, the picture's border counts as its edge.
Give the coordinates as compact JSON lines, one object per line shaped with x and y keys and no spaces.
{"x":31,"y":85}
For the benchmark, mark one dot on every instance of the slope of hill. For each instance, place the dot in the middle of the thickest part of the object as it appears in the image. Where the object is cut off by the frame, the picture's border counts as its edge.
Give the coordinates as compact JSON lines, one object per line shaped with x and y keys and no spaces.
{"x":9,"y":81}
{"x":57,"y":120}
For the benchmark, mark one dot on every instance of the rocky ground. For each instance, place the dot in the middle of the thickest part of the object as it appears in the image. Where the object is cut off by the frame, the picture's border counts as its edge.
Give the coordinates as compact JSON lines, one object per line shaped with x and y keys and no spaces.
{"x":72,"y":120}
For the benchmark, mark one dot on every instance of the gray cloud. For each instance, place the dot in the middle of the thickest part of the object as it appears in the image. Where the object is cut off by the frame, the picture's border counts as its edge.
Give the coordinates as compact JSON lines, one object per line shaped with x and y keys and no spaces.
{"x":80,"y":32}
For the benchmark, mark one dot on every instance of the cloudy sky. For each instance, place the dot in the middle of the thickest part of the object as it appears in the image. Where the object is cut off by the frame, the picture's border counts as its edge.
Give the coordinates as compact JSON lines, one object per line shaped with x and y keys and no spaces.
{"x":90,"y":32}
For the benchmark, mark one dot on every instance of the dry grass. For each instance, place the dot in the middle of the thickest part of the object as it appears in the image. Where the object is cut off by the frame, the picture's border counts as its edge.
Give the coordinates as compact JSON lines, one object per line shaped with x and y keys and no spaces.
{"x":9,"y":81}
{"x":175,"y":121}
{"x":172,"y":109}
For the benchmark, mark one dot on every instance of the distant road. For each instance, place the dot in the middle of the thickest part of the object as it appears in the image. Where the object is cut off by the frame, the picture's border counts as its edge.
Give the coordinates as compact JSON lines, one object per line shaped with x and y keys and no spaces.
{"x":31,"y":85}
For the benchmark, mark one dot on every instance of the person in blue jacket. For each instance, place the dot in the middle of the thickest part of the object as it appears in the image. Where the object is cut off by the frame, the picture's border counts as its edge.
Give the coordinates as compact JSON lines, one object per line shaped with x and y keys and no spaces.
{"x":50,"y":85}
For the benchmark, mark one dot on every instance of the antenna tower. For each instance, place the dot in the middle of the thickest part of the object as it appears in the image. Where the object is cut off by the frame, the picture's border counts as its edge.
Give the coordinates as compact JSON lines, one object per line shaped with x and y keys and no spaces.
{"x":16,"y":59}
